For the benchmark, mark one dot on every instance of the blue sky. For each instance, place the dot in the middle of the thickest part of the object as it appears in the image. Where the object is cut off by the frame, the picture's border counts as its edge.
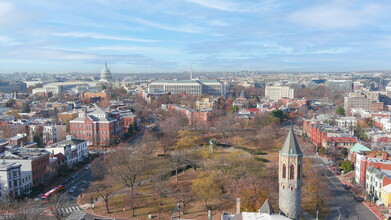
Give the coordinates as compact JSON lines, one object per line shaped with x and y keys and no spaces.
{"x":136,"y":36}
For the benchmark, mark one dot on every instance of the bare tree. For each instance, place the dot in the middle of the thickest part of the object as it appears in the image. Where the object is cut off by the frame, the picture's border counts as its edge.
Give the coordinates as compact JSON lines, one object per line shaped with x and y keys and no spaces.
{"x":105,"y":191}
{"x":133,"y":204}
{"x":128,"y":165}
{"x":183,"y":193}
{"x":98,"y":168}
{"x":178,"y":157}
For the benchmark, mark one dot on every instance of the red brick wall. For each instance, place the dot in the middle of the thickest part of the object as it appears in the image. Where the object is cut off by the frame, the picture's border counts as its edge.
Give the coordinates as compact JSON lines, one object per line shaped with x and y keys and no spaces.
{"x":38,"y":167}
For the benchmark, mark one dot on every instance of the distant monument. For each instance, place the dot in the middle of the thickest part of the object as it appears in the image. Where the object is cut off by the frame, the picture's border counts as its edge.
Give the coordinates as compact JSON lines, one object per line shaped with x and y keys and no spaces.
{"x":289,"y":177}
{"x":105,"y":75}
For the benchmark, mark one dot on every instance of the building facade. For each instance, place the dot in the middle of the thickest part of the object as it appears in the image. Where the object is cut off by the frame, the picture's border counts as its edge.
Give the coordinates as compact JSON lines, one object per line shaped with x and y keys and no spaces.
{"x":290,"y":177}
{"x":98,"y":127}
{"x":10,"y":180}
{"x":190,"y":87}
{"x":278,"y":92}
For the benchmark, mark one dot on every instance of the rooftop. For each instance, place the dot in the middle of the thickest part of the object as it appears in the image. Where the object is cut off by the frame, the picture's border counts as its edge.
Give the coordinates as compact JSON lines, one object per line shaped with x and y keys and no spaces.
{"x":4,"y":165}
{"x":71,"y":142}
{"x":23,"y":153}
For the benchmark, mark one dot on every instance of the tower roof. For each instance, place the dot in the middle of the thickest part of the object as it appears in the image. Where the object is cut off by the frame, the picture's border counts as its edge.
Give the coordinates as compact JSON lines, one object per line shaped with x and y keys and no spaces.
{"x":105,"y":75}
{"x":290,"y":146}
{"x":243,"y":94}
{"x":266,"y":208}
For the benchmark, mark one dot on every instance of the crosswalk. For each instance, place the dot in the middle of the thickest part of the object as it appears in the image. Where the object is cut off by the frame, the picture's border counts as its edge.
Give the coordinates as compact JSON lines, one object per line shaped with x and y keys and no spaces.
{"x":36,"y":210}
{"x":310,"y":156}
{"x":65,"y":210}
{"x":318,"y":165}
{"x":68,"y":210}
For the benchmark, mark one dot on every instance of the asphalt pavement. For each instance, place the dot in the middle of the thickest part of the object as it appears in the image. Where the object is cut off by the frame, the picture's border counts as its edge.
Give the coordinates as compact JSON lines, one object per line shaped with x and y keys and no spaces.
{"x":342,"y":205}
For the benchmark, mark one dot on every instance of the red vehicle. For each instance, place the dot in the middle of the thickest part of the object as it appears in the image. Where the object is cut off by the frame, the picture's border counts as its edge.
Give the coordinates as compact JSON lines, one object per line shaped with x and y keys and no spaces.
{"x":53,"y":191}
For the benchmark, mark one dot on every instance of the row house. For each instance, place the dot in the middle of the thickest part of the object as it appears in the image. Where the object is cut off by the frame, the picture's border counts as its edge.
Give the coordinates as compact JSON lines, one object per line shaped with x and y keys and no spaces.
{"x":34,"y":162}
{"x":74,"y":150}
{"x":129,"y":119}
{"x":20,"y":140}
{"x":194,"y":117}
{"x":98,"y":126}
{"x":346,"y":122}
{"x":365,"y":161}
{"x":10,"y":180}
{"x":339,"y":142}
{"x":318,"y":132}
{"x":375,"y":180}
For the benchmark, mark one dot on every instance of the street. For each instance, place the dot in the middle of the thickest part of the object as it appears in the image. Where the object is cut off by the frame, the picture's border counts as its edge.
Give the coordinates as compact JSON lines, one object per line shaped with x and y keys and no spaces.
{"x":342,"y":205}
{"x":66,"y":204}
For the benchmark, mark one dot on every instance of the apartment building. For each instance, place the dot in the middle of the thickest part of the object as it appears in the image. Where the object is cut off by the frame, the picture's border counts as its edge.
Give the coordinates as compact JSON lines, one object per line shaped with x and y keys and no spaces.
{"x":98,"y":126}
{"x":190,"y":87}
{"x":10,"y":180}
{"x":34,"y":162}
{"x":74,"y":150}
{"x":363,"y":100}
{"x":278,"y":92}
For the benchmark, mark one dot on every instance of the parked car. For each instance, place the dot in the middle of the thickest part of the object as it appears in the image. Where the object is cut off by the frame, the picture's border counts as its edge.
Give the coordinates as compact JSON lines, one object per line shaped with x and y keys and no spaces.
{"x":74,"y":175}
{"x":66,"y":180}
{"x":358,"y":198}
{"x":87,"y":167}
{"x":72,"y":190}
{"x":347,"y":187}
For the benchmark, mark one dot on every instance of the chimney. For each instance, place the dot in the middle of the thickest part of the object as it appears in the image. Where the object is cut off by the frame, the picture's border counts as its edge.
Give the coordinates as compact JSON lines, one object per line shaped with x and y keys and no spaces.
{"x":372,"y":155}
{"x":237,"y":205}
{"x":384,"y":155}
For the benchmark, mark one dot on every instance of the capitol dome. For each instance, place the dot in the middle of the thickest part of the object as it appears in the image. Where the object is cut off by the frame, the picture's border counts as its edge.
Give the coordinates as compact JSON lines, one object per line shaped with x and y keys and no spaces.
{"x":105,"y":75}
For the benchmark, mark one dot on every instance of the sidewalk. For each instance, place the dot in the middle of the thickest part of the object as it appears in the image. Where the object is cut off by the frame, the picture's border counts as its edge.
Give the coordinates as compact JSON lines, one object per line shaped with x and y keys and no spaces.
{"x":369,"y":205}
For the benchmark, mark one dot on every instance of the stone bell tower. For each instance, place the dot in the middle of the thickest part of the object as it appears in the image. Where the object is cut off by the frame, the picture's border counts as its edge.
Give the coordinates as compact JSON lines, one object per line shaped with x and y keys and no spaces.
{"x":289,"y":176}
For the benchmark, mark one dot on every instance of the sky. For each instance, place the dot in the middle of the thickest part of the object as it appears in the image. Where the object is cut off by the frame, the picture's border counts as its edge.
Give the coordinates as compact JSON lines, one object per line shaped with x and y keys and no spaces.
{"x":138,"y":36}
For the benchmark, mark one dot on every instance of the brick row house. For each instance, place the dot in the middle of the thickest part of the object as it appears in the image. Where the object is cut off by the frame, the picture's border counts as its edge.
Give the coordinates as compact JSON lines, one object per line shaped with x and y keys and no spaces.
{"x":194,"y":117}
{"x":98,"y":127}
{"x":34,"y":162}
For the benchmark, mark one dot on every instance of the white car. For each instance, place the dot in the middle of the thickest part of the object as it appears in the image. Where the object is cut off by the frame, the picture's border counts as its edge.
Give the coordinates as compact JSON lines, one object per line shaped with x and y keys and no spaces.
{"x":87,"y":167}
{"x":72,"y":190}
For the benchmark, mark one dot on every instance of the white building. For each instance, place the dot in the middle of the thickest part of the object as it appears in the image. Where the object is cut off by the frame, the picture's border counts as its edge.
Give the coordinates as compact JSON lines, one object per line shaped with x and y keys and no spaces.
{"x":10,"y":180}
{"x":74,"y":150}
{"x":190,"y":87}
{"x":53,"y":133}
{"x":347,"y":122}
{"x":34,"y":162}
{"x":278,"y":92}
{"x":357,"y":167}
{"x":374,"y":181}
{"x":61,"y":87}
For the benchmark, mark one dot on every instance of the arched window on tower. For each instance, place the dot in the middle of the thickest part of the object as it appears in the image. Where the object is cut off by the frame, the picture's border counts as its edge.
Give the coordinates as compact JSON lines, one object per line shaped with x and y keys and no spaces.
{"x":298,"y":171}
{"x":291,"y":172}
{"x":284,"y":171}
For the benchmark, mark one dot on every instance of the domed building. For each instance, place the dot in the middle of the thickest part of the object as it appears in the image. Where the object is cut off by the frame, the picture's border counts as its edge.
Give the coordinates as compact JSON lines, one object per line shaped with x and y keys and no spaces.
{"x":105,"y":75}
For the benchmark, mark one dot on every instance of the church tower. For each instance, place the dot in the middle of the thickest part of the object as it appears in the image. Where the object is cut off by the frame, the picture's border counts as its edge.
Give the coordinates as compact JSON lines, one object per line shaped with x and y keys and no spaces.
{"x":289,"y":176}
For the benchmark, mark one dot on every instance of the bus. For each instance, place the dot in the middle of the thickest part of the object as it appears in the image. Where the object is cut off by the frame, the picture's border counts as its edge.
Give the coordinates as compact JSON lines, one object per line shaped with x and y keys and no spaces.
{"x":55,"y":190}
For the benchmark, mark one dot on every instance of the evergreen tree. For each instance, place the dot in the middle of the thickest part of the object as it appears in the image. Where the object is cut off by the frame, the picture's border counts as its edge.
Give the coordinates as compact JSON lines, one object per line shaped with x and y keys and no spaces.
{"x":25,"y":108}
{"x":340,"y":111}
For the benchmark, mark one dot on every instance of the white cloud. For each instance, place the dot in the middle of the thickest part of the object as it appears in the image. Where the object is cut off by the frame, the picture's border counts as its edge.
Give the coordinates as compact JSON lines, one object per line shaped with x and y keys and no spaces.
{"x":142,"y":50}
{"x":225,"y":5}
{"x":215,"y":4}
{"x":186,"y":29}
{"x":336,"y":15}
{"x":103,"y":37}
{"x":7,"y":41}
{"x":5,"y":8}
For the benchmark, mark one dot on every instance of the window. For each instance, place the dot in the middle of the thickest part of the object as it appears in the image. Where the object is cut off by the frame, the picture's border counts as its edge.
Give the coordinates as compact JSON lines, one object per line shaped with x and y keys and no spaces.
{"x":284,"y":171}
{"x":291,"y":172}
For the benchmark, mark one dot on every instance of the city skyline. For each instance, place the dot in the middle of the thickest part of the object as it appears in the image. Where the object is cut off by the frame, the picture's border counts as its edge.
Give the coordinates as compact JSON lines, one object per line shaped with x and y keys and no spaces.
{"x":211,"y":35}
